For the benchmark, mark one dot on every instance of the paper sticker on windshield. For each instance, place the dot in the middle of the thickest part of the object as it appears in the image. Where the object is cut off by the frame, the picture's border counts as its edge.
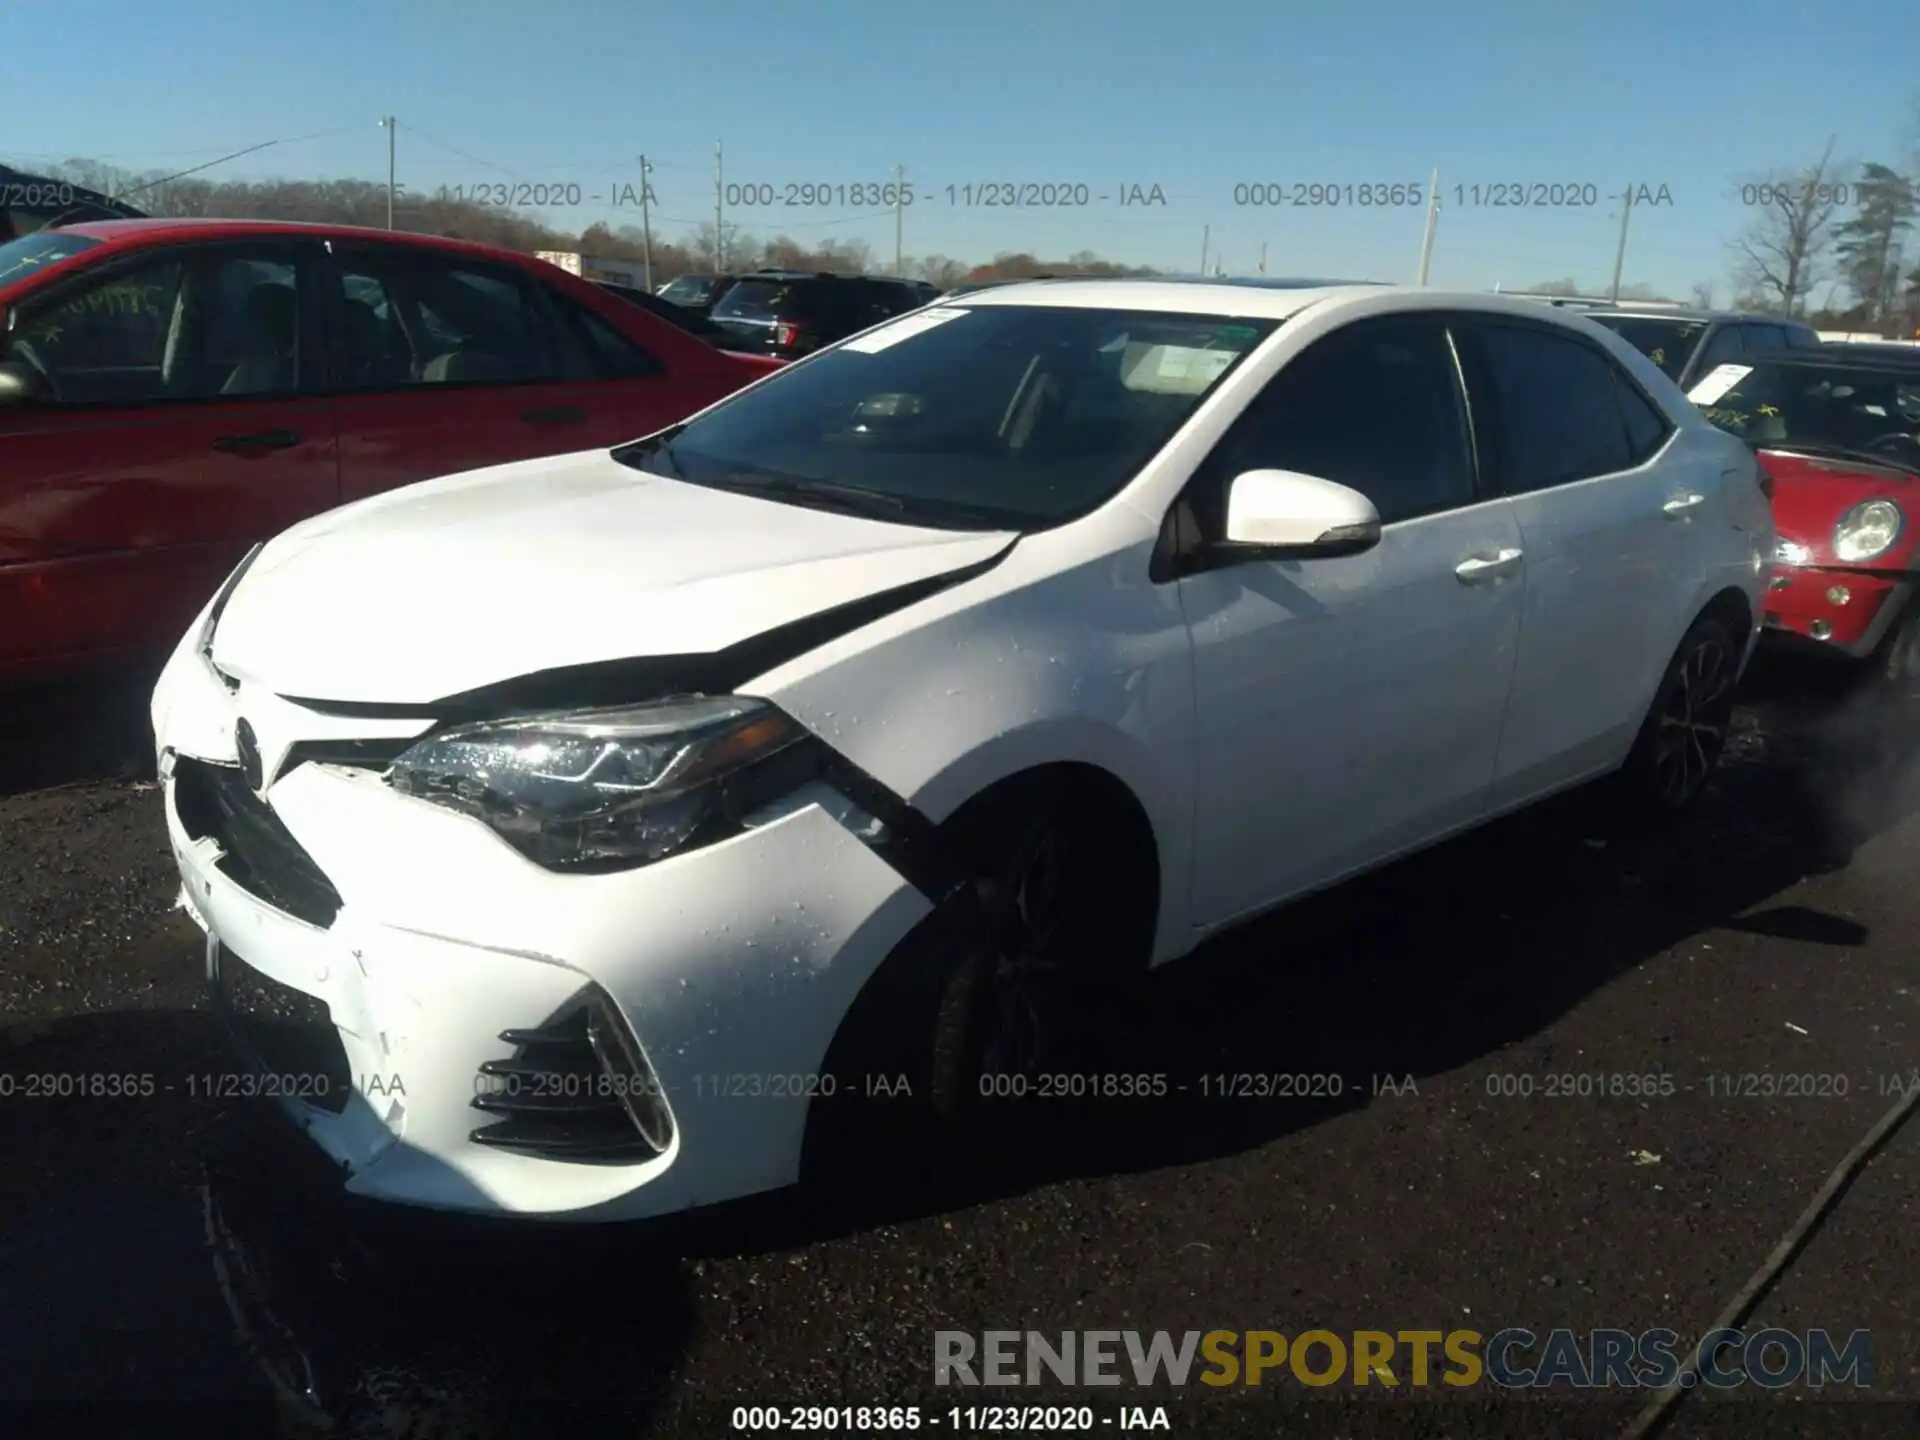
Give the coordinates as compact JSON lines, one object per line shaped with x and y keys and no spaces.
{"x":1717,"y":383}
{"x":912,"y":325}
{"x":1172,"y":369}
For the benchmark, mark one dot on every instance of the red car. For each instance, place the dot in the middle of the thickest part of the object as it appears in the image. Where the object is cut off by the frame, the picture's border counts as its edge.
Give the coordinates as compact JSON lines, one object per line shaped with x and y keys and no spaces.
{"x":1837,"y":432}
{"x":173,"y":391}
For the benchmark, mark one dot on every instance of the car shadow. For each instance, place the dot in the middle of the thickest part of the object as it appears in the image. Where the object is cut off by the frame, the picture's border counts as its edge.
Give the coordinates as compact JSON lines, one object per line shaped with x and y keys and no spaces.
{"x":70,"y":731}
{"x":194,"y":1256}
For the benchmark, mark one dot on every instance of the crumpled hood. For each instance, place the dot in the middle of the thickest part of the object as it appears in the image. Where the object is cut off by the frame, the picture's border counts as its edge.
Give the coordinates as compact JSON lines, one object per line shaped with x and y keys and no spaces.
{"x":461,"y":582}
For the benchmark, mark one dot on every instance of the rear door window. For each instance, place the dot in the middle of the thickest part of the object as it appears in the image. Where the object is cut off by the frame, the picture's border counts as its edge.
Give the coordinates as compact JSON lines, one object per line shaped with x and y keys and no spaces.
{"x":614,"y":356}
{"x":422,"y":320}
{"x":1557,"y":407}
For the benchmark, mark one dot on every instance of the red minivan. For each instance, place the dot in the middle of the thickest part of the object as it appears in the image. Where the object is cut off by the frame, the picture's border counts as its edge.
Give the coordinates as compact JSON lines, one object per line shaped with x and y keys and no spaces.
{"x":172,"y":391}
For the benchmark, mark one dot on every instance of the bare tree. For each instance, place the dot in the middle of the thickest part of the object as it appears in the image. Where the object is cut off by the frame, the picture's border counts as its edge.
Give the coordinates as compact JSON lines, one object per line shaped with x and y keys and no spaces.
{"x":1783,"y":246}
{"x":940,"y":271}
{"x":1703,"y":291}
{"x":1564,"y":286}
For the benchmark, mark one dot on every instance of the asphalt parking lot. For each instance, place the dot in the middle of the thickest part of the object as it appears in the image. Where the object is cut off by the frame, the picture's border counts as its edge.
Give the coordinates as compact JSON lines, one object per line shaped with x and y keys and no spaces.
{"x":178,"y":1254}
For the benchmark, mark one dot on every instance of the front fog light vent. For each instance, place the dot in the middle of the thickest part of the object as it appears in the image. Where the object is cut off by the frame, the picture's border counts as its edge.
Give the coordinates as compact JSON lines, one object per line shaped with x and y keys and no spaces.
{"x":578,"y":1088}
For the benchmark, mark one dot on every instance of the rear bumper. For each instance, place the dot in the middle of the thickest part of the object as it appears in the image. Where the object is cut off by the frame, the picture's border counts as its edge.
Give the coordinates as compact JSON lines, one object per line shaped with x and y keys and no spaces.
{"x":1841,"y":611}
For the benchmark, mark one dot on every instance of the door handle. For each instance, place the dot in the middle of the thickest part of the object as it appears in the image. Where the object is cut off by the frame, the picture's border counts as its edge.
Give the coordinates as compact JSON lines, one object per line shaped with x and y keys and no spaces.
{"x":1681,"y":504}
{"x":558,"y":415}
{"x":262,"y":440}
{"x":1477,"y":570}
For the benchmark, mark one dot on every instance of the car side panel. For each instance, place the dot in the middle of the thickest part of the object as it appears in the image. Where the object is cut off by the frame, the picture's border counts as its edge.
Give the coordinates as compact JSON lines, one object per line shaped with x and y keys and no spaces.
{"x":116,"y":523}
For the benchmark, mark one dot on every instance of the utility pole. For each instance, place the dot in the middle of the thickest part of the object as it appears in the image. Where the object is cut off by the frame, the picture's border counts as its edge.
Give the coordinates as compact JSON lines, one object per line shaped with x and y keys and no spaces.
{"x":719,"y":221}
{"x":646,"y":223}
{"x":1620,"y":254}
{"x":1263,"y":257}
{"x":1206,"y":242}
{"x":388,"y":122}
{"x":899,"y":218}
{"x":1433,"y":225}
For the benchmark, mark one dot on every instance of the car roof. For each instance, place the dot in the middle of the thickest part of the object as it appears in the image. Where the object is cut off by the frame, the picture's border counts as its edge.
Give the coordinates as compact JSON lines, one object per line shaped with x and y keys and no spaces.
{"x":134,"y":232}
{"x":793,"y":275}
{"x":1259,"y":299}
{"x":1692,"y":313}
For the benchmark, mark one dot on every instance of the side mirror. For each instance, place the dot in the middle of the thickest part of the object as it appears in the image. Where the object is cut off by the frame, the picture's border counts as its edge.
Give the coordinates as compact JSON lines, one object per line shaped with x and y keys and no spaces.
{"x":1285,"y":515}
{"x":20,"y":383}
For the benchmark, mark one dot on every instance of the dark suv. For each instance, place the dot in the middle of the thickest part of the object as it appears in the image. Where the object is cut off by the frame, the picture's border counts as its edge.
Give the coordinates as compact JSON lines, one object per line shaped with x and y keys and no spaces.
{"x":790,"y":313}
{"x":1689,"y":344}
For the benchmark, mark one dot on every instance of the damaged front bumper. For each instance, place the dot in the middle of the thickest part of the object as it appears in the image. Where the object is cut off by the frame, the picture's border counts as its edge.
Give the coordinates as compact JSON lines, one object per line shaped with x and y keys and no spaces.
{"x":447,"y":1020}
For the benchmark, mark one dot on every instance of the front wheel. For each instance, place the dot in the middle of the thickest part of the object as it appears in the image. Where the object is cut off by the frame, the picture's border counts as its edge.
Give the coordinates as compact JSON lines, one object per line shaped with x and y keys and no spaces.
{"x":993,"y":1010}
{"x":1686,"y":727}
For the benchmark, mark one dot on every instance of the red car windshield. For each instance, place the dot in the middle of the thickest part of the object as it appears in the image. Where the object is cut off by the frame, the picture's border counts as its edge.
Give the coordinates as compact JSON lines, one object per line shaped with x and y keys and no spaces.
{"x":1872,"y":410}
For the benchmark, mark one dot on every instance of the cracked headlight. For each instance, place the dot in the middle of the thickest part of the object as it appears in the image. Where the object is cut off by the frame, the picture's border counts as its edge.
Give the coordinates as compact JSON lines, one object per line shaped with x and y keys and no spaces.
{"x":602,"y":790}
{"x":1867,"y":530}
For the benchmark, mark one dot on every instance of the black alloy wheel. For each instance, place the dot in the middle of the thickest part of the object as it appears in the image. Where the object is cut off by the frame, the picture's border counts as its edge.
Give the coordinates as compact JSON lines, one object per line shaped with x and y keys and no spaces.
{"x":1686,"y":729}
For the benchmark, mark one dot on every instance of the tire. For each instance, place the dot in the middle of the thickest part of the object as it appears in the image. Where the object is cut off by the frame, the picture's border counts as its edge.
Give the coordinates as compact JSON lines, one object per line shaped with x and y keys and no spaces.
{"x":1012,"y":977}
{"x":1685,"y":730}
{"x":1053,"y":949}
{"x":1893,"y":674}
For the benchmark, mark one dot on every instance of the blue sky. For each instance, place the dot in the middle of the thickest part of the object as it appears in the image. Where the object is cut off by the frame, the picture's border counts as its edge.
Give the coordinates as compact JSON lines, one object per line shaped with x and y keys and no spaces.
{"x":1196,"y":98}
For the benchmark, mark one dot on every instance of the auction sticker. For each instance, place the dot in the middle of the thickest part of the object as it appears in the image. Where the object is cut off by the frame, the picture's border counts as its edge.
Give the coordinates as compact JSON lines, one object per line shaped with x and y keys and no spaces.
{"x":1718,"y":382}
{"x":887,"y":335}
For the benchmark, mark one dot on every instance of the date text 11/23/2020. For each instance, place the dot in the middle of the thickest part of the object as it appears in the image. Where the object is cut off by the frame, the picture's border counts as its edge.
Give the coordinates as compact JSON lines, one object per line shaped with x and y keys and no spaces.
{"x":812,"y":195}
{"x":199,"y":1085}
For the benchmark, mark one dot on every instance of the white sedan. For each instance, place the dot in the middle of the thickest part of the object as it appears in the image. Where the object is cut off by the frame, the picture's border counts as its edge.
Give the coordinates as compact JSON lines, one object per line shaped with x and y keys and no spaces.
{"x":571,"y":835}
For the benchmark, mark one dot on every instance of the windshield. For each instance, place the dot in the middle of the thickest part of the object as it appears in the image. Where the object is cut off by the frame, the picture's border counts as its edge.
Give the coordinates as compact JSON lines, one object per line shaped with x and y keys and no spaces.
{"x":688,"y":290}
{"x":1003,"y":417}
{"x":1668,"y":343}
{"x":37,"y":252}
{"x":1839,"y":407}
{"x":760,"y":300}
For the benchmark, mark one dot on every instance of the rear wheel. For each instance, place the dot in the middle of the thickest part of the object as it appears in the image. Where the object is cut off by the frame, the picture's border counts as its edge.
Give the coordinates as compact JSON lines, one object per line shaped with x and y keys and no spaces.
{"x":1686,"y":727}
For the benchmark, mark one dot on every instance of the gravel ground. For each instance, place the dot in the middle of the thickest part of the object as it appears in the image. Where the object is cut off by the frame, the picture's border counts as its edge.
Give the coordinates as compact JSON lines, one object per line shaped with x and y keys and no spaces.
{"x":187,"y":1258}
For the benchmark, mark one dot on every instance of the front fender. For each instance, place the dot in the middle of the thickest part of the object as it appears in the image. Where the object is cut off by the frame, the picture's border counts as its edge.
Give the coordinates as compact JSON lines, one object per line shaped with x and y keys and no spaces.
{"x":1026,"y":666}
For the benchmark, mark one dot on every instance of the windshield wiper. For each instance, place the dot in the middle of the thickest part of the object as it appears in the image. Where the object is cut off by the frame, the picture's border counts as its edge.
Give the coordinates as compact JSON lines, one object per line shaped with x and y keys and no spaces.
{"x":1822,"y":449}
{"x":928,"y":511}
{"x":816,"y":494}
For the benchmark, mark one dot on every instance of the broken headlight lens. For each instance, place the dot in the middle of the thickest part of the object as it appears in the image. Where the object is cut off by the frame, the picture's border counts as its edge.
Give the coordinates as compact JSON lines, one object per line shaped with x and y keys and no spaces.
{"x":610,"y":789}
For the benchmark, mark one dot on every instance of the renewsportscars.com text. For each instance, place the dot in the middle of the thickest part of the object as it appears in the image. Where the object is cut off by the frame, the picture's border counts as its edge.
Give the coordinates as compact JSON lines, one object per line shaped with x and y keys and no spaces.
{"x":1513,"y":1358}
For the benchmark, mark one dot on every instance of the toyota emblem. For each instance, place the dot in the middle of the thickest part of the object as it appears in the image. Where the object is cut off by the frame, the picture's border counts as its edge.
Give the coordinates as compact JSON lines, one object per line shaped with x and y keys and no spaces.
{"x":249,"y":751}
